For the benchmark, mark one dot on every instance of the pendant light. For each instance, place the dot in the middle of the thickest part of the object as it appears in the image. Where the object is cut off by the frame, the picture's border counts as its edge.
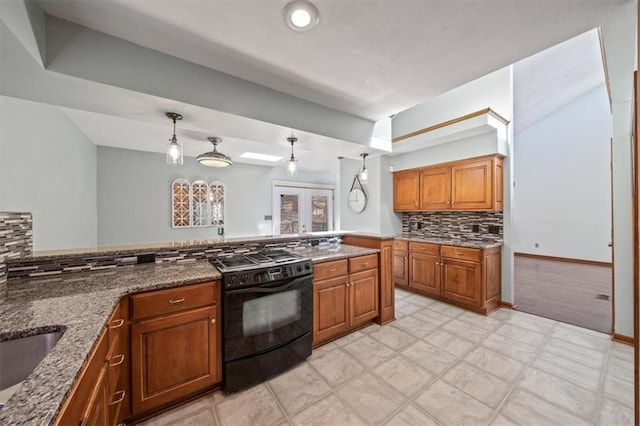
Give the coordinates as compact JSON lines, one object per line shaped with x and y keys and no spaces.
{"x":364,"y":174}
{"x":174,"y":149}
{"x":214,"y":158}
{"x":292,"y":164}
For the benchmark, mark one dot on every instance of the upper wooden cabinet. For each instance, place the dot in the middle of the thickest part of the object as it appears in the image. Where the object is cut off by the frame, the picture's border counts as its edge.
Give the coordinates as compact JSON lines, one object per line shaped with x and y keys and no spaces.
{"x":406,"y":190}
{"x":474,"y":184}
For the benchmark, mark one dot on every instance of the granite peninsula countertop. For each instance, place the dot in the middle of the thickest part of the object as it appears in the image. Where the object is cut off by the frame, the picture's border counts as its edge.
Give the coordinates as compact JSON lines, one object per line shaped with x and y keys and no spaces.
{"x":479,"y":244}
{"x":80,"y":304}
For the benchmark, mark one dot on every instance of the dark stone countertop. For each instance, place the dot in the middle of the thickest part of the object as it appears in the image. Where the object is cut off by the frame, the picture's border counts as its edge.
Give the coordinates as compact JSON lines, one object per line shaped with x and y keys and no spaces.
{"x":79,"y":304}
{"x":326,"y":253}
{"x":478,"y":244}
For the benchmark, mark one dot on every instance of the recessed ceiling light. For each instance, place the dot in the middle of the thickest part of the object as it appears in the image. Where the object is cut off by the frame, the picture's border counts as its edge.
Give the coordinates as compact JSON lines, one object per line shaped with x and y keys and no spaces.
{"x":301,"y":15}
{"x":261,"y":157}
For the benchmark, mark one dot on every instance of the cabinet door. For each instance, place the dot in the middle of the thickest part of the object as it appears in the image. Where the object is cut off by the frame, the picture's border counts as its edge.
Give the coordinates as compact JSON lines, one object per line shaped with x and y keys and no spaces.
{"x":406,"y":190}
{"x":435,"y":188}
{"x":97,"y":413}
{"x":174,"y":356}
{"x":401,"y":267}
{"x":330,"y":308}
{"x":424,"y":273}
{"x":363,"y":295}
{"x":471,"y":185}
{"x":462,"y":281}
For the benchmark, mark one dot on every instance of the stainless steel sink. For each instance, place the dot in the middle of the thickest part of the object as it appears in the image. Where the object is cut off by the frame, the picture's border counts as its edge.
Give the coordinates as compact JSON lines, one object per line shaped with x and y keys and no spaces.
{"x":19,"y":357}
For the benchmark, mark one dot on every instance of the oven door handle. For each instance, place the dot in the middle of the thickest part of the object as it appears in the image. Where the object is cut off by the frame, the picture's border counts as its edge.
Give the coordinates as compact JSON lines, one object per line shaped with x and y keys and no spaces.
{"x":287,"y":286}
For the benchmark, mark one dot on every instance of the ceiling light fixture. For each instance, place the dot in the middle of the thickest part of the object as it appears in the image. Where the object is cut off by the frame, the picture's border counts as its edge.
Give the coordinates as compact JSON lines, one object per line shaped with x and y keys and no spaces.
{"x":214,"y":158}
{"x":174,"y":149}
{"x":301,"y":15}
{"x":292,"y":164}
{"x":364,"y":174}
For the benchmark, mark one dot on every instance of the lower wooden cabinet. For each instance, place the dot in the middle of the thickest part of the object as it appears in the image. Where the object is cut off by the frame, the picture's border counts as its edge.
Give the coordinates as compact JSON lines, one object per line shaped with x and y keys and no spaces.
{"x":467,"y":277}
{"x":178,"y":354}
{"x":343,"y":301}
{"x":386,"y":272}
{"x":166,"y":355}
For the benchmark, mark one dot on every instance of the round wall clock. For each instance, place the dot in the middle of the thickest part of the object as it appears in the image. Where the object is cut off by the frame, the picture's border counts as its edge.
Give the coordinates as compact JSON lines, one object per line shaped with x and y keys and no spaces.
{"x":357,"y":196}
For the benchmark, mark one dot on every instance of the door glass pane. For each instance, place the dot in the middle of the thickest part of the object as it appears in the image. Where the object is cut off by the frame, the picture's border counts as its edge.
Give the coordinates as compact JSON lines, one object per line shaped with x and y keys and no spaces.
{"x":319,"y":213}
{"x":289,"y":214}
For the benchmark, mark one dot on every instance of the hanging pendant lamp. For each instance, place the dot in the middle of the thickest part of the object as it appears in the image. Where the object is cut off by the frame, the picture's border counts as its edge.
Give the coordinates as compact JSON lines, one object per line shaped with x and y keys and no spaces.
{"x":292,"y":164}
{"x":364,"y":174}
{"x":174,"y":149}
{"x":214,"y":158}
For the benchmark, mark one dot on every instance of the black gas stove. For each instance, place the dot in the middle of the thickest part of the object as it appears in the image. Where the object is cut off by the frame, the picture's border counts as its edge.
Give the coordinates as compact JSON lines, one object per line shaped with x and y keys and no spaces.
{"x":267,"y":315}
{"x":243,"y":270}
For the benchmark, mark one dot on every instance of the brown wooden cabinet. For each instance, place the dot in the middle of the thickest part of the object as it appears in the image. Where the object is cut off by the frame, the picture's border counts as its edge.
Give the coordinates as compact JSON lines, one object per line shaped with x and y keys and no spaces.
{"x":95,"y":399}
{"x":406,"y":190}
{"x":401,"y":262}
{"x":386,"y":271}
{"x":468,"y":277}
{"x":474,"y":184}
{"x":345,"y":296}
{"x":174,"y":354}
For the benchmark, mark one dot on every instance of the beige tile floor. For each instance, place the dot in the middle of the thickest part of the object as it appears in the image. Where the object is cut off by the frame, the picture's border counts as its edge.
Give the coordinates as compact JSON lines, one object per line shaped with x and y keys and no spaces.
{"x":438,"y":364}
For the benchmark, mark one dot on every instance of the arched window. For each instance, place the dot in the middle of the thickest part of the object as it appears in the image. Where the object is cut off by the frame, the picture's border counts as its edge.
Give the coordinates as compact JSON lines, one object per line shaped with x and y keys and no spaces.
{"x":180,"y":204}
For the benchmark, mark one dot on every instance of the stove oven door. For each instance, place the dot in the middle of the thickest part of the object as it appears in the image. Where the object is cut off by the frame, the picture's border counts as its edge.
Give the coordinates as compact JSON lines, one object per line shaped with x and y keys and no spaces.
{"x":258,"y":319}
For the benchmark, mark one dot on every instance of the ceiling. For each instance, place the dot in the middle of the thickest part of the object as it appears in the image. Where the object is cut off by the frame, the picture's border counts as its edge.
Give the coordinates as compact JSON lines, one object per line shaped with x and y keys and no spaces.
{"x":546,"y":81}
{"x":368,"y":59}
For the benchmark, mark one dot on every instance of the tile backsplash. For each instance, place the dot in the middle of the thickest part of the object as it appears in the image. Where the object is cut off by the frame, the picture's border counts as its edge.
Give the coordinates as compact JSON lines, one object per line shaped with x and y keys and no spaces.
{"x":16,"y":240}
{"x":481,"y":226}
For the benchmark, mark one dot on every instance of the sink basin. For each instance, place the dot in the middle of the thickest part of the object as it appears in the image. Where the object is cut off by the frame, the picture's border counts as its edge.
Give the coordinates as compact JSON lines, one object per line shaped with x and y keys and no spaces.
{"x":19,"y":357}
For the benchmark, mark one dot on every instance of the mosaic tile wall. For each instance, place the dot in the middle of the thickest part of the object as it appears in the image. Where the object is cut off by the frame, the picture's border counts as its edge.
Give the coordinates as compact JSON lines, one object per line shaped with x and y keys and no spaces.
{"x":16,"y":240}
{"x":46,"y":266}
{"x":456,"y":225}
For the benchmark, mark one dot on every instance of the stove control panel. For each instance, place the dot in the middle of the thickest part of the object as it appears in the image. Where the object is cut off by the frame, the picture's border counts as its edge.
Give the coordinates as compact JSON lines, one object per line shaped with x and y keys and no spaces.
{"x":254,"y":277}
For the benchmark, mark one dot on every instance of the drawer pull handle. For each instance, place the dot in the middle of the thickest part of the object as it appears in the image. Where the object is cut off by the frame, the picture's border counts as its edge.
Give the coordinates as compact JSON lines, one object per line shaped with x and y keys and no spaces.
{"x":332,"y":270}
{"x":120,"y":360}
{"x":120,"y":398}
{"x":365,"y":264}
{"x":116,"y":324}
{"x":174,"y":301}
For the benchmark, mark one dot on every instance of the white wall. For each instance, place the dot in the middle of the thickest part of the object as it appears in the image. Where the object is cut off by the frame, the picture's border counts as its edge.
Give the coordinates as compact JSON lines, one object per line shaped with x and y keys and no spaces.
{"x":490,"y":91}
{"x":134,"y":196}
{"x":48,"y":168}
{"x":563,"y":181}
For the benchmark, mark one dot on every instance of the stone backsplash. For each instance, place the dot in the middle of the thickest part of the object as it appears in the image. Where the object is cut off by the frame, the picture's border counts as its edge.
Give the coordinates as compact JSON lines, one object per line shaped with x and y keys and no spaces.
{"x":477,"y":226}
{"x":56,"y":265}
{"x":16,"y":240}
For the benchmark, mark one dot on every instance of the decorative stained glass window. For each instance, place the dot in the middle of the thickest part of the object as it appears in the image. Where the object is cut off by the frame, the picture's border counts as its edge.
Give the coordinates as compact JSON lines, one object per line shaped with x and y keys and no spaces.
{"x":197,"y":204}
{"x":180,"y":204}
{"x":216,"y":198}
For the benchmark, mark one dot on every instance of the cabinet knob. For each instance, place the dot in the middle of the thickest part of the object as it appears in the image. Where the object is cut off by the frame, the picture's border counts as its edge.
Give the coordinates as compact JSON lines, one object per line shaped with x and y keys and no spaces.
{"x":213,"y":320}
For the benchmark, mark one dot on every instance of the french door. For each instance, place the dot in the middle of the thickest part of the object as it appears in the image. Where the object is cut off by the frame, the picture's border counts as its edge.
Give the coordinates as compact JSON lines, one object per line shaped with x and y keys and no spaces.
{"x":302,"y":209}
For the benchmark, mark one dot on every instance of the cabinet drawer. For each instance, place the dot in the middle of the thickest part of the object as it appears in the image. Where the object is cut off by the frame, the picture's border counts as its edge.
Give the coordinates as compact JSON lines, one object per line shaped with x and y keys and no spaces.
{"x":424,"y":248}
{"x":401,"y":245}
{"x":333,"y":269}
{"x":171,"y":300}
{"x":362,"y":263}
{"x":462,"y":253}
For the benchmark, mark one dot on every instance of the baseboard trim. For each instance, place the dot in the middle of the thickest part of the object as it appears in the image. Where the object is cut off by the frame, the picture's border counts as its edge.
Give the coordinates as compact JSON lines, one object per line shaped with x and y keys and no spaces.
{"x":621,"y":338}
{"x":509,"y":305}
{"x":563,"y":259}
